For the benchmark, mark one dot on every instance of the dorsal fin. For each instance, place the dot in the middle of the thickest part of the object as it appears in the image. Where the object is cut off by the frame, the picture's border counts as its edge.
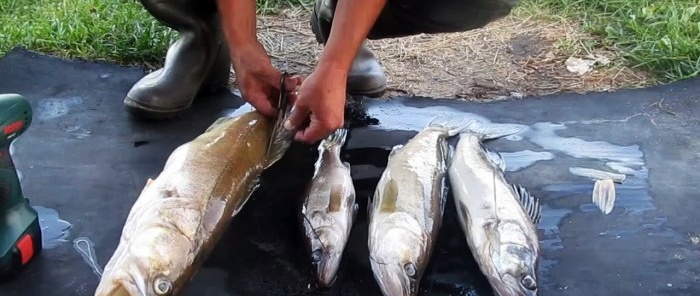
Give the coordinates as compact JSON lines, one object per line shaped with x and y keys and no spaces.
{"x":530,"y":204}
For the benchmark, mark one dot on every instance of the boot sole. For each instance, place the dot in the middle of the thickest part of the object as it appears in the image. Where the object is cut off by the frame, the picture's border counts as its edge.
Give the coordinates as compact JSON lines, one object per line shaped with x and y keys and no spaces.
{"x":145,"y":112}
{"x":372,"y":93}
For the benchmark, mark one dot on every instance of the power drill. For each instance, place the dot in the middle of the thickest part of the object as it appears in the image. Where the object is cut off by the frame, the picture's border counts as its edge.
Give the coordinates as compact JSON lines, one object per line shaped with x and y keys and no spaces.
{"x":20,"y":232}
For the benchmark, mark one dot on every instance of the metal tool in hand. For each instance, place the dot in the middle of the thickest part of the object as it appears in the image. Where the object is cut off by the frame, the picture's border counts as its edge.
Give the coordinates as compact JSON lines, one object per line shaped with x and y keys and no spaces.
{"x":282,"y":108}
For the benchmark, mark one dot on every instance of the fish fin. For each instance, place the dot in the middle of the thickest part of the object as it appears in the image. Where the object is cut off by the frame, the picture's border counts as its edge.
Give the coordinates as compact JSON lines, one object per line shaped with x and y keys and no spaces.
{"x":494,"y":157}
{"x":445,"y":192}
{"x":335,"y":198}
{"x":355,"y":209}
{"x":369,"y":207}
{"x":337,"y":138}
{"x":451,"y":154}
{"x":148,"y":182}
{"x":280,"y":139}
{"x":395,"y":149}
{"x":530,"y":204}
{"x":604,"y":195}
{"x":346,"y":164}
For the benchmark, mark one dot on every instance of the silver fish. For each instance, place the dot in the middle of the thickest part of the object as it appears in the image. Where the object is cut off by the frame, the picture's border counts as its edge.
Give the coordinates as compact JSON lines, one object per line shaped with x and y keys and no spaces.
{"x":405,"y":214}
{"x":329,"y":209}
{"x":498,"y":219}
{"x":179,"y":217}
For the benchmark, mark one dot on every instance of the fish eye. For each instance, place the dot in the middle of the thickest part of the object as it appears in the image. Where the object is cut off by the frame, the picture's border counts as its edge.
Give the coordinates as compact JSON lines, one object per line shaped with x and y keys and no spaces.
{"x":528,"y":282}
{"x":410,"y":269}
{"x":316,"y":255}
{"x":162,"y":286}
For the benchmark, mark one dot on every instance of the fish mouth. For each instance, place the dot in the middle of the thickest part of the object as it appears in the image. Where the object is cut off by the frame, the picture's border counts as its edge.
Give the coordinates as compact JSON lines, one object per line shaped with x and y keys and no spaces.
{"x":393,"y":281}
{"x":115,"y":288}
{"x":327,"y":270}
{"x":501,"y":288}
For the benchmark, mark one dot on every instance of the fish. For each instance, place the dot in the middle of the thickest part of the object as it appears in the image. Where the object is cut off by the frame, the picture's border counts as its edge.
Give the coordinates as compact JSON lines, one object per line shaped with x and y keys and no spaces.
{"x":405,"y":212}
{"x":498,"y":218}
{"x":329,"y":209}
{"x":180,"y":215}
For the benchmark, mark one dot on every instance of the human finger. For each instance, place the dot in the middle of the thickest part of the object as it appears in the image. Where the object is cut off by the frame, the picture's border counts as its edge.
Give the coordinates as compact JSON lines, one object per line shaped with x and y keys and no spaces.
{"x":314,"y":132}
{"x":262,"y":104}
{"x":297,"y":117}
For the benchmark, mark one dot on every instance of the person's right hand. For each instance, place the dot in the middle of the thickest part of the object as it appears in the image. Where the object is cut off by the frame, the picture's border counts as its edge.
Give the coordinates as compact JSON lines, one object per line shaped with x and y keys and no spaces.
{"x":259,"y":81}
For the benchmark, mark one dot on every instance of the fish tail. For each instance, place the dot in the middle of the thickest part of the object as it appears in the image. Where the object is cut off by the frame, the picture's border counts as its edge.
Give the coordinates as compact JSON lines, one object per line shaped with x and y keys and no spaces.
{"x":471,"y":125}
{"x":337,"y":138}
{"x":452,"y":126}
{"x":485,"y":131}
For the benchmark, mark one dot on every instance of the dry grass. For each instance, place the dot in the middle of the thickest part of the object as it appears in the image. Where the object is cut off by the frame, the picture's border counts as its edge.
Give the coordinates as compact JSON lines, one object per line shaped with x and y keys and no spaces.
{"x":515,"y":56}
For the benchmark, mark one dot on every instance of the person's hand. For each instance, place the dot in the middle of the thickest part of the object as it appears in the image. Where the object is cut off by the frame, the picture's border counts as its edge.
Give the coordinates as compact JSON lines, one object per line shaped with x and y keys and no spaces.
{"x":319,"y":108}
{"x":259,"y":81}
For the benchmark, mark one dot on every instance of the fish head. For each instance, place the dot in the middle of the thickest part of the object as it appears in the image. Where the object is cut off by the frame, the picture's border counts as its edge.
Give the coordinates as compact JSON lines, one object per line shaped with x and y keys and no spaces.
{"x":146,"y":265}
{"x":398,"y":260}
{"x":516,"y":268}
{"x":326,"y":251}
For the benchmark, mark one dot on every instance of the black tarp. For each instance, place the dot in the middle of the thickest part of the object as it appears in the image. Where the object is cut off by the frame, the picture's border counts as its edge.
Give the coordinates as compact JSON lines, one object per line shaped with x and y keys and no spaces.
{"x":87,"y":159}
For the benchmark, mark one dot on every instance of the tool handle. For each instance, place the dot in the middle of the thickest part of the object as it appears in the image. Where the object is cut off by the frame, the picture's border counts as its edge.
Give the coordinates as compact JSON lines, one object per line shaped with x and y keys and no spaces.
{"x":9,"y":181}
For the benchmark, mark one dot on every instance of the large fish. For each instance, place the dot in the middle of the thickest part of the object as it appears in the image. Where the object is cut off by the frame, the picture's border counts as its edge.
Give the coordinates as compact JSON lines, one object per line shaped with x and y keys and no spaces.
{"x":405,"y":214}
{"x":179,"y":217}
{"x":329,"y":209}
{"x":497,"y":218}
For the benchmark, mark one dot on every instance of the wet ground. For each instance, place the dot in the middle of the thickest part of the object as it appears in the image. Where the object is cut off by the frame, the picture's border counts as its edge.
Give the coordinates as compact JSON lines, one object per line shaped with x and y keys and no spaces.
{"x":85,"y":158}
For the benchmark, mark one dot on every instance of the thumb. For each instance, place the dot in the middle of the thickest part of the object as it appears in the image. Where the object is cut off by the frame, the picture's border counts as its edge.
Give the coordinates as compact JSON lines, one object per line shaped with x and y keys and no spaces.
{"x":297,"y":117}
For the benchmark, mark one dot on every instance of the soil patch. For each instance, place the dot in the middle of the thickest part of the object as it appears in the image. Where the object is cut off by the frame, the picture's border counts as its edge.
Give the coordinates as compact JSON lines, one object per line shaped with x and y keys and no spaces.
{"x":513,"y":57}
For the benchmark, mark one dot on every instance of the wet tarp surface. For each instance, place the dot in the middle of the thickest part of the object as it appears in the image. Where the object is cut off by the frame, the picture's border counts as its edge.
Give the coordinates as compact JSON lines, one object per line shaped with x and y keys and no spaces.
{"x":84,"y":161}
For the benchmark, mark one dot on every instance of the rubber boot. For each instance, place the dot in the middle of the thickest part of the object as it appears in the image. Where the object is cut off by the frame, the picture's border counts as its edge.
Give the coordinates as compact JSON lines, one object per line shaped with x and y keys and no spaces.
{"x":197,"y":60}
{"x":366,"y":76}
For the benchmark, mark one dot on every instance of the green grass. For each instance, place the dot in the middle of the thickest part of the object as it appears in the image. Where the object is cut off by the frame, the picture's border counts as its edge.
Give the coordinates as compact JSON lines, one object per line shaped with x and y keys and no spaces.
{"x":114,"y":30}
{"x":661,"y":36}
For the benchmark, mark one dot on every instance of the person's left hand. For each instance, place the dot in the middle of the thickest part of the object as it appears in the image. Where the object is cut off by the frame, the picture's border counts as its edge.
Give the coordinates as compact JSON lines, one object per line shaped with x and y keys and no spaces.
{"x":319,"y":108}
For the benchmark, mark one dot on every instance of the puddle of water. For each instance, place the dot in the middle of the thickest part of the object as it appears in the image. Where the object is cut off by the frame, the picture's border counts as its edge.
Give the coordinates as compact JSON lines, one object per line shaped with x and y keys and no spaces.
{"x":86,"y":249}
{"x":549,"y":224}
{"x":392,"y":115}
{"x":52,"y":108}
{"x":544,"y":135}
{"x":519,"y":160}
{"x":54,"y":231}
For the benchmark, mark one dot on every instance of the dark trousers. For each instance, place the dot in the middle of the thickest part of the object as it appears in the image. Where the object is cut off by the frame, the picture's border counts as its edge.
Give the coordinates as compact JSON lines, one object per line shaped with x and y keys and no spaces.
{"x":401,"y":18}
